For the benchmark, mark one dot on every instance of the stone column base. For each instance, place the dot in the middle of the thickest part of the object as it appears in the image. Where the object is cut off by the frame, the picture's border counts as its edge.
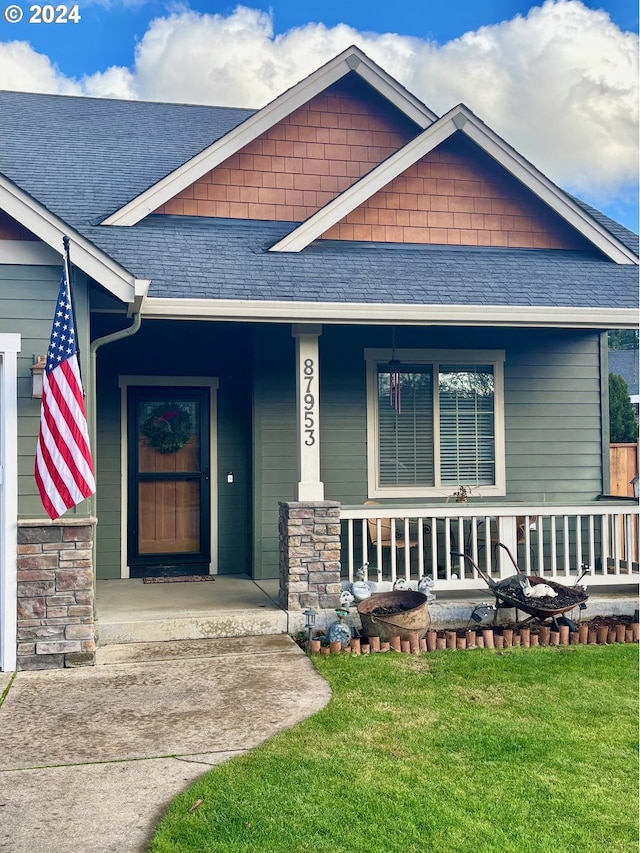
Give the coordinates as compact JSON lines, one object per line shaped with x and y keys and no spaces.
{"x":309,"y":555}
{"x":55,"y":594}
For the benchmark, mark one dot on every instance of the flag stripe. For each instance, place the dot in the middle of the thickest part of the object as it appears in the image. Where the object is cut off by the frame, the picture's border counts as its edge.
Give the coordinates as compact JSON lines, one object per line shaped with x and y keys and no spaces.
{"x":71,"y":420}
{"x":63,"y":465}
{"x":51,"y":477}
{"x":61,"y":448}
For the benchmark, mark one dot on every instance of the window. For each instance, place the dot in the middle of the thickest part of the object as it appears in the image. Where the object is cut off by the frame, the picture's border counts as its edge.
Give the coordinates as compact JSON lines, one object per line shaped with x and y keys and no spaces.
{"x":446,"y":430}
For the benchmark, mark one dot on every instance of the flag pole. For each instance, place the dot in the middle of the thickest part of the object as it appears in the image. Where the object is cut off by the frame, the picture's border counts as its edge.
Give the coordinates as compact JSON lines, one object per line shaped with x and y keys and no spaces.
{"x":67,"y":275}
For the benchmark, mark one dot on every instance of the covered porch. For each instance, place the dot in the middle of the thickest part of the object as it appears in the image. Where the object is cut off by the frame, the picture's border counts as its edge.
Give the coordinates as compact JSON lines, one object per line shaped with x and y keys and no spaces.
{"x":131,"y":611}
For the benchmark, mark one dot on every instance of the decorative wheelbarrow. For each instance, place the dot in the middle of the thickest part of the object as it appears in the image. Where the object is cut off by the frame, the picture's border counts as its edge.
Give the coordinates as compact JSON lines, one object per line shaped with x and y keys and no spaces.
{"x":510,"y":593}
{"x":401,"y":613}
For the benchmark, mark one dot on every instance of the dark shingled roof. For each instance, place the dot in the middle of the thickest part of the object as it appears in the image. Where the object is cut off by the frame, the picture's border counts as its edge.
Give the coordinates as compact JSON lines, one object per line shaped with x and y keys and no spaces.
{"x":171,"y":249}
{"x":83,"y":158}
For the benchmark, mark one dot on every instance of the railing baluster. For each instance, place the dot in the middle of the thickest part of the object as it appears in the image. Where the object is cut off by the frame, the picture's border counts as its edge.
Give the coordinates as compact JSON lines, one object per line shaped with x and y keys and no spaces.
{"x":461,"y":543}
{"x":487,"y":546}
{"x":434,"y":549}
{"x":365,"y":542}
{"x":379,"y":544}
{"x":627,"y":543}
{"x":592,"y":543}
{"x":527,"y":545}
{"x":350,"y":548}
{"x":407,"y":551}
{"x":394,"y":553}
{"x":474,"y":543}
{"x":578,"y":542}
{"x":540,"y":531}
{"x":565,"y":543}
{"x":447,"y":548}
{"x":605,"y":521}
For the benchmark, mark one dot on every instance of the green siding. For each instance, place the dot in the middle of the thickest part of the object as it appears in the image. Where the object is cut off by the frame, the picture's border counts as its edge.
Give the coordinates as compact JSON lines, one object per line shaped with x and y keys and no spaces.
{"x":274,"y":445}
{"x":552,"y":417}
{"x":28,"y":296}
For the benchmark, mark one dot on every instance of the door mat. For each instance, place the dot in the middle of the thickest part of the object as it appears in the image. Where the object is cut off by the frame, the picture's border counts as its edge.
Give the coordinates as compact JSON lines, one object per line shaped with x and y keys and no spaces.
{"x":179,"y":579}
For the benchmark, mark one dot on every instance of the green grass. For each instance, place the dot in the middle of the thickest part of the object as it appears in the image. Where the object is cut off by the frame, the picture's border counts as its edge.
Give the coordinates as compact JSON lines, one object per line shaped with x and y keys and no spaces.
{"x":522,"y":751}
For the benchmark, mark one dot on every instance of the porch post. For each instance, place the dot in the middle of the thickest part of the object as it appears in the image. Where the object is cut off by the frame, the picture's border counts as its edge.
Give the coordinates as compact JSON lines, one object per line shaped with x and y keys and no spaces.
{"x":309,"y":487}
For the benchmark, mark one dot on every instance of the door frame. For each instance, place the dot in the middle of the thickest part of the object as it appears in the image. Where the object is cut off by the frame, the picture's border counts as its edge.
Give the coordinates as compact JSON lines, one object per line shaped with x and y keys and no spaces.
{"x":9,"y":349}
{"x":210,"y":382}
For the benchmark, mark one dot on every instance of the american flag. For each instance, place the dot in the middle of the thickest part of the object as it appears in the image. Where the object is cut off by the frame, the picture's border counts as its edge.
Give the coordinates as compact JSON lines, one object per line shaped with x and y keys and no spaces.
{"x":64,"y":468}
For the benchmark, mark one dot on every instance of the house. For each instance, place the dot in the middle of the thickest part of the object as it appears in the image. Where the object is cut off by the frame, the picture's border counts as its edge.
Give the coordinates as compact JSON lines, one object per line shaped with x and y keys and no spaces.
{"x":339,"y":298}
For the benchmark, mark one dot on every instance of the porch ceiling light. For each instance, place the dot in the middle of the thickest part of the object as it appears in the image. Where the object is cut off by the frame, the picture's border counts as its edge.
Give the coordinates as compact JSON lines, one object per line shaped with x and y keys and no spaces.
{"x":37,"y":372}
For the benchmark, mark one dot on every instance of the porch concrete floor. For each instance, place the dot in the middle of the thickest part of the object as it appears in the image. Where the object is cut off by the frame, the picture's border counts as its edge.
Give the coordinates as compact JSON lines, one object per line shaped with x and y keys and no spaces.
{"x":130,"y":611}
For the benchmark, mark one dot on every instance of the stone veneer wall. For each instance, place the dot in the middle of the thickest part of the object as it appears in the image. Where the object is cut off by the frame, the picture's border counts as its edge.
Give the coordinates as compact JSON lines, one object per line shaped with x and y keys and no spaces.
{"x":309,"y":555}
{"x":55,"y":594}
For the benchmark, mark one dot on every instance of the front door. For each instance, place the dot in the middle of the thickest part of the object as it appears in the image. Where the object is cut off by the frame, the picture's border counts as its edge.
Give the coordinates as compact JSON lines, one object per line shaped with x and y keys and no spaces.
{"x":169,"y":481}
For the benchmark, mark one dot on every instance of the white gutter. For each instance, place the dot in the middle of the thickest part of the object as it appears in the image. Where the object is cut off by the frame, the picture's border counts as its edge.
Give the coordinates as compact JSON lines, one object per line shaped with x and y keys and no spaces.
{"x":342,"y":313}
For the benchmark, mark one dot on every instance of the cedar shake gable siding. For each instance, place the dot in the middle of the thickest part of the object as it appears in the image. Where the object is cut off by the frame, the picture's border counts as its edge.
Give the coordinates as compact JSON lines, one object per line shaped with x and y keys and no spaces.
{"x":303,"y":161}
{"x":457,"y":195}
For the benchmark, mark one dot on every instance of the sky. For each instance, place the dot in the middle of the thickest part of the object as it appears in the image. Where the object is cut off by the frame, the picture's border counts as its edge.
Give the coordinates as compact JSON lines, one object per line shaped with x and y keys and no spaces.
{"x":557,"y":79}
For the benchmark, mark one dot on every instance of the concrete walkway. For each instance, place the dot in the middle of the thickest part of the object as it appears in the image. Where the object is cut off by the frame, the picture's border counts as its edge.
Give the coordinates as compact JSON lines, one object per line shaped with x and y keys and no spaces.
{"x":91,"y":758}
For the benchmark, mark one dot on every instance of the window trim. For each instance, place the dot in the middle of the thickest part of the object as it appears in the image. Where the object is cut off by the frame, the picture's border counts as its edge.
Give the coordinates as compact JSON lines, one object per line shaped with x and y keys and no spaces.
{"x":376,"y":357}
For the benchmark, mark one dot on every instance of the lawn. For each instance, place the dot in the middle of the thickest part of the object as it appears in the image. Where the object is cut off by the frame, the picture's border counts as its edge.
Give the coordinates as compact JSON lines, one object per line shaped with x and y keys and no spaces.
{"x":521,"y":751}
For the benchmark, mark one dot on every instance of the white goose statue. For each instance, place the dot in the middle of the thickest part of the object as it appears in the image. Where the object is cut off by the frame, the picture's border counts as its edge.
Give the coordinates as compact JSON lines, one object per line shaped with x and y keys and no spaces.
{"x":539,"y":590}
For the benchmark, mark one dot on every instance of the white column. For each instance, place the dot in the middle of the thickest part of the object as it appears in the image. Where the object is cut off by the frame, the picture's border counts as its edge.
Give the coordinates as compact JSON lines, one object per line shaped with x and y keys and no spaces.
{"x":9,"y":348}
{"x":310,"y":487}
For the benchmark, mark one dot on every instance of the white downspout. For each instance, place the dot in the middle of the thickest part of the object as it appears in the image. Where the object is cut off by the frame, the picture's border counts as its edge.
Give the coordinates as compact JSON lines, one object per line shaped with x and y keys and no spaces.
{"x":141,"y":288}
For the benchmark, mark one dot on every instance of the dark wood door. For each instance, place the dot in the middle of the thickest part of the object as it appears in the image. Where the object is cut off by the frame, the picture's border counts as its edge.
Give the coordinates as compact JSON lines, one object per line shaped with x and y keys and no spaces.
{"x":169,"y":483}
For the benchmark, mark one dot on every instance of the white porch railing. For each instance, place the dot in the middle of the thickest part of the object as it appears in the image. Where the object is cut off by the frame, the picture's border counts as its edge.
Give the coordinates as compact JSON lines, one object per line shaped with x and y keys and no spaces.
{"x":550,"y":541}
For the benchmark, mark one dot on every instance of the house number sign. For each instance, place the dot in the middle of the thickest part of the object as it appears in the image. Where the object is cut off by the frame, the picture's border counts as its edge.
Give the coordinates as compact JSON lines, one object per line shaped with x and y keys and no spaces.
{"x":309,"y":401}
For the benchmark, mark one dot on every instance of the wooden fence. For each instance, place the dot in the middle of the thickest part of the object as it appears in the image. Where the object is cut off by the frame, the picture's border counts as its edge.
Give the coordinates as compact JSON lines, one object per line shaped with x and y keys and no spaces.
{"x":623,"y":467}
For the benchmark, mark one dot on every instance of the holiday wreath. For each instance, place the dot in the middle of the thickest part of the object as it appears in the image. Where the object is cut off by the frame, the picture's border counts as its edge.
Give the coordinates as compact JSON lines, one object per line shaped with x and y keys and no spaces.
{"x":167,"y":428}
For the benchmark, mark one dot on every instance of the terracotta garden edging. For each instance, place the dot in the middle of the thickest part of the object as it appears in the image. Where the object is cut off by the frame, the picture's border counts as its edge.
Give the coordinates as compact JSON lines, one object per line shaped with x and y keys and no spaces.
{"x":597,"y":632}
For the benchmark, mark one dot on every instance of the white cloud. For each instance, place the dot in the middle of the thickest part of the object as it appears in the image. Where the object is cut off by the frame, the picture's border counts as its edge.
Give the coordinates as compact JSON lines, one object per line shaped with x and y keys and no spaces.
{"x":24,"y":70}
{"x":559,"y":84}
{"x":115,"y":82}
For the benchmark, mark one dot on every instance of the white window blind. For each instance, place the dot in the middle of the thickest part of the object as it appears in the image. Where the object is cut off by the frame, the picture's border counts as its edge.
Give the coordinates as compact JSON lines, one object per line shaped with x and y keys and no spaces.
{"x":406,"y":437}
{"x":466,"y":396}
